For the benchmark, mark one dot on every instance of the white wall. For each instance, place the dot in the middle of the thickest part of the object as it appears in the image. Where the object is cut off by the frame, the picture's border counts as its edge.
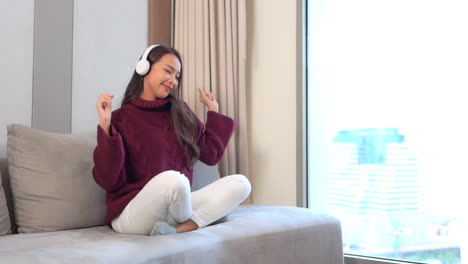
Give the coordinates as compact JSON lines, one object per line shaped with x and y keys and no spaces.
{"x":16,"y":65}
{"x":109,"y":36}
{"x":271,"y":84}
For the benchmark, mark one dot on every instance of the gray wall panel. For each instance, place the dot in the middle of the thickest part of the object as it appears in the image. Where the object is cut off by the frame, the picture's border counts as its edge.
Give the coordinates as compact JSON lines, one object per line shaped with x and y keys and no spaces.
{"x":52,"y":79}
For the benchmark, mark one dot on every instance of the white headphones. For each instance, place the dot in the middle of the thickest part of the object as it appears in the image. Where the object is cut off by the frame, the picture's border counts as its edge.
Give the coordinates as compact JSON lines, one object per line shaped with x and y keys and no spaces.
{"x":143,"y":65}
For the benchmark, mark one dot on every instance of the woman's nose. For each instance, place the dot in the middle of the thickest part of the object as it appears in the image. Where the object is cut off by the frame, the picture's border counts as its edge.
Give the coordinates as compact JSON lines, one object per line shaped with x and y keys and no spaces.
{"x":173,"y":79}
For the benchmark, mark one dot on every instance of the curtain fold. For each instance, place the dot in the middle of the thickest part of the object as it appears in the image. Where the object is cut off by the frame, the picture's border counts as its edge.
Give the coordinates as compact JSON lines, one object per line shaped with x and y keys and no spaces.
{"x":211,"y":36}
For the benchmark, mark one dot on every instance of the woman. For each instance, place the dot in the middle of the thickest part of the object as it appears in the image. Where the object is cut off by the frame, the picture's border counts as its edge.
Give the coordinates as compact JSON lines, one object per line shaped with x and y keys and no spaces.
{"x":147,"y":148}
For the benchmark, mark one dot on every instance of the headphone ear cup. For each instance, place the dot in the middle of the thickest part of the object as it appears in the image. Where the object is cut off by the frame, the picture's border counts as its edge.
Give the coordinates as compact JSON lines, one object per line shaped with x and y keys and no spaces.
{"x":142,"y":67}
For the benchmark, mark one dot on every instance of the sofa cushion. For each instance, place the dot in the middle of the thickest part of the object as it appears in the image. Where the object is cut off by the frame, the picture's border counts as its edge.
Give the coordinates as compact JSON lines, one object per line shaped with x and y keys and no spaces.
{"x":4,"y":215}
{"x":250,"y":234}
{"x":51,"y":180}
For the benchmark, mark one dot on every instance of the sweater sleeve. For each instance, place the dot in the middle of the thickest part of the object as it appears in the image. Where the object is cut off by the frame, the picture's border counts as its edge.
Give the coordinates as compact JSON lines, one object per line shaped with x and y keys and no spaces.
{"x":214,"y":136}
{"x":109,"y":156}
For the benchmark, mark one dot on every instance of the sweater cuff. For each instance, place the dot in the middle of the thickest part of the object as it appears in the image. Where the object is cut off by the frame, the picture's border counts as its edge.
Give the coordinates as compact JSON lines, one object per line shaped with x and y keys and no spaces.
{"x":221,"y":123}
{"x":113,"y":137}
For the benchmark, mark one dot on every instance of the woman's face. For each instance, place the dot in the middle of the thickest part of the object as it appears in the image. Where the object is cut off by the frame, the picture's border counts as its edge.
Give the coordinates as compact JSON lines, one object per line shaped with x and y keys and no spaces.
{"x":163,"y":77}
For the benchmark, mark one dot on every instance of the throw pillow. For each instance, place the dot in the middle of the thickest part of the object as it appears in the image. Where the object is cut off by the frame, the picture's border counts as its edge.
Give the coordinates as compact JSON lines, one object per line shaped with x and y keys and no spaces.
{"x":51,"y":180}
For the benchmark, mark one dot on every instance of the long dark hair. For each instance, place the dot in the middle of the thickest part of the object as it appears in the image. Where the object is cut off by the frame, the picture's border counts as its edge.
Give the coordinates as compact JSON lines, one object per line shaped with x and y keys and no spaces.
{"x":182,"y":120}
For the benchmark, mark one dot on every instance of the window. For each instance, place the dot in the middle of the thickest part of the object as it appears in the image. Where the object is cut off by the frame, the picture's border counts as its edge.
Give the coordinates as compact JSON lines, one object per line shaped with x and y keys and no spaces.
{"x":387,"y":114}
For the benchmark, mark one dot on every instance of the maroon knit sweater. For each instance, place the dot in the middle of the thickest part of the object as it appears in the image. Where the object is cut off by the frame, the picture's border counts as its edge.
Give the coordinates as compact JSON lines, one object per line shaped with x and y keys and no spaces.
{"x":142,"y":144}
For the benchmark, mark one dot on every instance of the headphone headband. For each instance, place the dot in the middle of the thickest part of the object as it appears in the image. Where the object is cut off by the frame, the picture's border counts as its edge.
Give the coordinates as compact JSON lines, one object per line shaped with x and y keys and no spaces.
{"x":143,"y":65}
{"x":147,"y":51}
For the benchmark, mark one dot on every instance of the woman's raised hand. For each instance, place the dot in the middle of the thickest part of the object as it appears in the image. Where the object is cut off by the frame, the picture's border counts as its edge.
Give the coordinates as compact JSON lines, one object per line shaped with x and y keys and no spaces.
{"x":104,"y":108}
{"x":208,"y":99}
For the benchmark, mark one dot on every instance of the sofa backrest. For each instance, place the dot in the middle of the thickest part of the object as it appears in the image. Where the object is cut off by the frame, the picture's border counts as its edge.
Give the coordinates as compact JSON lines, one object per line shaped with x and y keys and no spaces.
{"x":4,"y":212}
{"x":30,"y":192}
{"x":5,"y":185}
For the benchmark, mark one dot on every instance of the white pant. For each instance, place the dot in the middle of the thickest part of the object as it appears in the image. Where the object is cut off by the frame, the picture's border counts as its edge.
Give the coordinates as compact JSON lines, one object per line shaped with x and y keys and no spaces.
{"x":167,"y":197}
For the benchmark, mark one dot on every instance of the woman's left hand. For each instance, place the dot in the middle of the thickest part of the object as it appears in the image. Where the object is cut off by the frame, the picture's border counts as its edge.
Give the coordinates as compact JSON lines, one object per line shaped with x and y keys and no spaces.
{"x":208,"y":99}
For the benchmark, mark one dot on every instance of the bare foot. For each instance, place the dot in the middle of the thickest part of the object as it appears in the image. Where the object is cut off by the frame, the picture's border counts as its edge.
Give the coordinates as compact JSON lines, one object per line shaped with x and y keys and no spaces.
{"x":186,"y":226}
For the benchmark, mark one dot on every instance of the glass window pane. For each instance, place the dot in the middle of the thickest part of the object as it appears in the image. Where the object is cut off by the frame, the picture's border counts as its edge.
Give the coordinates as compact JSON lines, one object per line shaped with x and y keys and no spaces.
{"x":387,"y":125}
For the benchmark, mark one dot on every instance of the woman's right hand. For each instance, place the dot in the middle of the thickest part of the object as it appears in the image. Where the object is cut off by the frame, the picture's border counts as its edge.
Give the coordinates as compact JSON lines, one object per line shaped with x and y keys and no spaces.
{"x":104,"y":108}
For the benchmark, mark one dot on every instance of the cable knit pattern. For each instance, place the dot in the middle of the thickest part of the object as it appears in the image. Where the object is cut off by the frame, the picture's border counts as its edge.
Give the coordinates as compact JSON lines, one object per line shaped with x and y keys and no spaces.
{"x":141,"y":144}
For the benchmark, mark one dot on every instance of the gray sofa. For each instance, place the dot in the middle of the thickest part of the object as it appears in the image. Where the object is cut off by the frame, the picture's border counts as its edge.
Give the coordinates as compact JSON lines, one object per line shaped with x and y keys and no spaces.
{"x":53,"y":213}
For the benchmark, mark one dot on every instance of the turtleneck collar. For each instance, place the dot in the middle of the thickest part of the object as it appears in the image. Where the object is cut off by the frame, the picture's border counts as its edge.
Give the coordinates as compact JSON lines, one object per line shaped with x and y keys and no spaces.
{"x":155,"y":104}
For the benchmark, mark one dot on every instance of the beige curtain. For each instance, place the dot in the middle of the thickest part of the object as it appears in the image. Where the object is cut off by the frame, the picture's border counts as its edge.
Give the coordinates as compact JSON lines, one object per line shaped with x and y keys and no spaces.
{"x":211,"y":36}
